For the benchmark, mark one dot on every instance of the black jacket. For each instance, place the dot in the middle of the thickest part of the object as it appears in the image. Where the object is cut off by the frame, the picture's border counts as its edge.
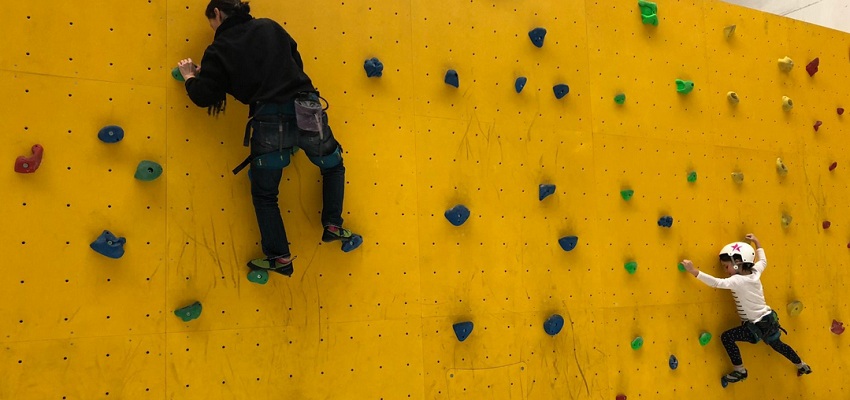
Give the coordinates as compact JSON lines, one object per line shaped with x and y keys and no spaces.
{"x":254,"y":60}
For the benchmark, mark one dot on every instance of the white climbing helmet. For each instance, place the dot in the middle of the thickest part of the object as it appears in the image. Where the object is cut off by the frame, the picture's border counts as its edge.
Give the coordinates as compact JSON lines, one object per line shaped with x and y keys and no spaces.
{"x":747,"y":253}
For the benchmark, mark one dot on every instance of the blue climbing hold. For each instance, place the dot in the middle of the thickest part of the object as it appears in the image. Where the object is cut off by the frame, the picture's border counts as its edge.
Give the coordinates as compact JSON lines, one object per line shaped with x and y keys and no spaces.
{"x":553,"y":325}
{"x":674,"y":363}
{"x":111,"y":134}
{"x":520,"y":83}
{"x":109,"y":245}
{"x":546,"y":191}
{"x":452,"y":78}
{"x":537,"y":35}
{"x":568,"y":243}
{"x":374,"y":68}
{"x":666,"y":221}
{"x":561,"y":90}
{"x":462,"y":330}
{"x":457,"y":215}
{"x":353,"y":243}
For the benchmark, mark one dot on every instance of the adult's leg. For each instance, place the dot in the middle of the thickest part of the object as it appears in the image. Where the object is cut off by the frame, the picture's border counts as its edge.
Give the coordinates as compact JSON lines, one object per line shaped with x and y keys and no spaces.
{"x":264,"y":193}
{"x":326,"y":153}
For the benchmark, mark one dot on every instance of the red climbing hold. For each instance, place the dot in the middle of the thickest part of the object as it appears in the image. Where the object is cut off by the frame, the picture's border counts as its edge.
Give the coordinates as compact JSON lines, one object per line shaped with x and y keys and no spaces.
{"x":817,"y":125}
{"x":832,"y":166}
{"x":826,"y":224}
{"x":28,"y":165}
{"x":837,"y":327}
{"x":812,"y":68}
{"x":621,"y":397}
{"x":840,"y":111}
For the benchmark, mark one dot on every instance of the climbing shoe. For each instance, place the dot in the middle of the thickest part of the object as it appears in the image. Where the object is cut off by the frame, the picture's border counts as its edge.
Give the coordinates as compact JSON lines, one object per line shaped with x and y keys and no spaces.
{"x":333,"y":232}
{"x":804,"y":370}
{"x":735,"y":376}
{"x":281,"y":265}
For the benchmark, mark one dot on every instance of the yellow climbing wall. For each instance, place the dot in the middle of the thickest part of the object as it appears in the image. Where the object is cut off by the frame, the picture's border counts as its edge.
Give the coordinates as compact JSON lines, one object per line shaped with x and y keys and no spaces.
{"x":377,"y":323}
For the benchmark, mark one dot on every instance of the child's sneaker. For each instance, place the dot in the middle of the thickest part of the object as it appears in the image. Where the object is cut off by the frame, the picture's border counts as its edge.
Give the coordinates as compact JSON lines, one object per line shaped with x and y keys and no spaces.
{"x":804,"y":370}
{"x":735,"y":376}
{"x":333,"y":232}
{"x":281,"y":265}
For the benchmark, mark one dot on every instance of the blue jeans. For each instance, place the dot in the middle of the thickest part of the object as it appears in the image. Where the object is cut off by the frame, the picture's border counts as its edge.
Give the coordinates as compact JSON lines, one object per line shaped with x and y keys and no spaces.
{"x":279,"y":132}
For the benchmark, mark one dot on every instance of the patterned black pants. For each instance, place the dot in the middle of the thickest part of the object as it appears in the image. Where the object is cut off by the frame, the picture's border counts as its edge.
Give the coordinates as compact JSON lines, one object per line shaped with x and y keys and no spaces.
{"x":743,"y":334}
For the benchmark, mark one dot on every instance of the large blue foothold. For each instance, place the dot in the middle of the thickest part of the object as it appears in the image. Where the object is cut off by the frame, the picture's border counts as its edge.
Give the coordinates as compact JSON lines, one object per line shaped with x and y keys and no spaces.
{"x":462,"y":330}
{"x":666,"y":221}
{"x":568,"y":243}
{"x":537,"y":35}
{"x":546,"y":191}
{"x":452,"y":78}
{"x":520,"y":83}
{"x":674,"y":363}
{"x":457,"y":215}
{"x":561,"y":90}
{"x":553,"y":325}
{"x":373,"y":67}
{"x":111,"y":134}
{"x":109,"y":245}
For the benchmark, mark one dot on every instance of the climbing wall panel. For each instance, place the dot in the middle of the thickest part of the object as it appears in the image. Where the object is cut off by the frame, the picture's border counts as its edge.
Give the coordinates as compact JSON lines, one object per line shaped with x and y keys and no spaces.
{"x":377,"y":322}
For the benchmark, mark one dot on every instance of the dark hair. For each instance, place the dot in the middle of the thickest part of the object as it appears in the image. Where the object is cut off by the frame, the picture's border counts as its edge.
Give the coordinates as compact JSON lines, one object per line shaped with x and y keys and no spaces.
{"x":736,"y":259}
{"x":229,"y":7}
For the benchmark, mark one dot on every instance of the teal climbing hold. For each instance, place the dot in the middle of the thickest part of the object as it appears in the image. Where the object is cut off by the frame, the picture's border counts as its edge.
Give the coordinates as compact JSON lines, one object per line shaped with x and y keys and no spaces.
{"x":175,"y":73}
{"x":258,"y":276}
{"x":627,"y":194}
{"x":648,"y":12}
{"x":692,"y":176}
{"x":462,"y":330}
{"x":190,"y":312}
{"x":683,"y":86}
{"x":631,"y":267}
{"x":704,"y":338}
{"x":148,"y":171}
{"x":681,"y":267}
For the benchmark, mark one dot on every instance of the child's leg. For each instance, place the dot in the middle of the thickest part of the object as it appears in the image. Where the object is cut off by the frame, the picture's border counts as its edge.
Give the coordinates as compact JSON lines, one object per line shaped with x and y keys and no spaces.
{"x":728,"y":338}
{"x":787,"y":351}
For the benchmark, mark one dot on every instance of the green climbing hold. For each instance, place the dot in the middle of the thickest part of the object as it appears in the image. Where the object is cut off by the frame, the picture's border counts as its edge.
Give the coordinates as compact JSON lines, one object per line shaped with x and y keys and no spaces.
{"x":631,"y":266}
{"x":692,"y":176}
{"x":684,"y":87}
{"x":258,"y":276}
{"x":637,"y":343}
{"x":648,"y":12}
{"x":681,"y":267}
{"x":704,"y":338}
{"x":620,"y":98}
{"x":627,"y":194}
{"x":189,"y":313}
{"x":148,"y":171}
{"x":175,"y":73}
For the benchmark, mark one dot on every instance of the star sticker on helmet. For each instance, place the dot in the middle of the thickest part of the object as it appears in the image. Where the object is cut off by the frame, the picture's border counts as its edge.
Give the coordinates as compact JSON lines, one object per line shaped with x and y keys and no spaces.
{"x":736,"y":247}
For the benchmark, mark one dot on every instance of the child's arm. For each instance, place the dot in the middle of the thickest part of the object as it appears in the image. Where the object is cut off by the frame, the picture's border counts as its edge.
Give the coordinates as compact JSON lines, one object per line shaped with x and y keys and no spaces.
{"x":761,"y":264}
{"x":707,"y":279}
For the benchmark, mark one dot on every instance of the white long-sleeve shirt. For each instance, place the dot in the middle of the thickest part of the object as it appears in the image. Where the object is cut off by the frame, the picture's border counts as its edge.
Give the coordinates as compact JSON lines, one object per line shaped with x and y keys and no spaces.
{"x":746,"y":289}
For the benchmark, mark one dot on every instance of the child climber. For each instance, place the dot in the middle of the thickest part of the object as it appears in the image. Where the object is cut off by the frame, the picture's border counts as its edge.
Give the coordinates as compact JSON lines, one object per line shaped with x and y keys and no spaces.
{"x":759,"y":322}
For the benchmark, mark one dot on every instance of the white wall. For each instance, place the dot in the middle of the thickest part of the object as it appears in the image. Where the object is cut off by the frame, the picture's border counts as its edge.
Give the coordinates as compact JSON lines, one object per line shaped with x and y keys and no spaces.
{"x":833,"y":14}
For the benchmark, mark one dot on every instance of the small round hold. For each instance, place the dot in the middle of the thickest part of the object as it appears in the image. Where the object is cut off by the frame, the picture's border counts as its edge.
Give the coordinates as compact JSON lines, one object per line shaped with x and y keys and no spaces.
{"x":553,"y":325}
{"x":732,"y":97}
{"x":787,"y":103}
{"x":833,"y":166}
